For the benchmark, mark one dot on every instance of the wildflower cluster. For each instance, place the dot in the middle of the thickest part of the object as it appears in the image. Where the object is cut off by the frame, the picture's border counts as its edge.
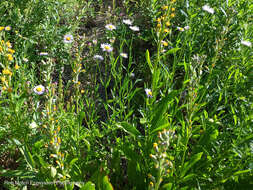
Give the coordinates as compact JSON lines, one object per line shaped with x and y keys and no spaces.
{"x":161,"y":158}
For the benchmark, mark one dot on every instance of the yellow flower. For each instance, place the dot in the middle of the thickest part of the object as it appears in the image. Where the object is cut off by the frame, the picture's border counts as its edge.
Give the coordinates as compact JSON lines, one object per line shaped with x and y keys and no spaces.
{"x":158,"y":20}
{"x":9,"y":57}
{"x":173,"y":9}
{"x":165,"y":7}
{"x":164,"y":43}
{"x":17,"y":66}
{"x":167,"y":23}
{"x":6,"y":72}
{"x":8,"y":44}
{"x":151,"y":184}
{"x":11,"y":50}
{"x":1,"y":28}
{"x":172,"y":15}
{"x":3,"y":79}
{"x":82,"y":91}
{"x":1,"y":49}
{"x":159,"y":25}
{"x":166,"y":30}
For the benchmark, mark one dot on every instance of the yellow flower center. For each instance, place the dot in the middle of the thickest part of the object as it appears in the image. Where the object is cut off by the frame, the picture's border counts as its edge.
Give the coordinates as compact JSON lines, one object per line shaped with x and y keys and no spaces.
{"x":149,"y":93}
{"x":68,"y":38}
{"x":39,"y":89}
{"x":107,"y":47}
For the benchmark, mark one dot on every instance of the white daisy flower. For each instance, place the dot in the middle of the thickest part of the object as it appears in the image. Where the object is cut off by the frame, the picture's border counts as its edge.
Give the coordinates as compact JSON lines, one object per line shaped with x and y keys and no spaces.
{"x":68,"y":38}
{"x":134,"y":28}
{"x":110,"y":27}
{"x":39,"y":89}
{"x":187,"y":27}
{"x":98,"y":57}
{"x":180,"y":29}
{"x":148,"y":93}
{"x":124,"y":55}
{"x":208,"y":9}
{"x":127,"y":21}
{"x":246,"y":43}
{"x":106,"y":47}
{"x":43,"y":53}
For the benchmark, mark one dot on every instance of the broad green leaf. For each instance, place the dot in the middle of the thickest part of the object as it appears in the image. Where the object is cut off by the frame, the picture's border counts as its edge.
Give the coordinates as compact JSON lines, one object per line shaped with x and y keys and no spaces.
{"x":88,"y":186}
{"x":173,"y":50}
{"x":188,"y":165}
{"x":160,"y":109}
{"x":130,"y":129}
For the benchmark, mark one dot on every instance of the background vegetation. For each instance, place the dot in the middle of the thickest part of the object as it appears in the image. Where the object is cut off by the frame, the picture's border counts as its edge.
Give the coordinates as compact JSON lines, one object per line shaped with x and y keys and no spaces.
{"x":126,"y":94}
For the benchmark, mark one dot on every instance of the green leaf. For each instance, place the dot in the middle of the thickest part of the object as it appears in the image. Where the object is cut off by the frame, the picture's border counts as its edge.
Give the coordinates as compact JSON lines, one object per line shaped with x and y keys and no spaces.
{"x":171,"y":51}
{"x":130,"y":129}
{"x":17,"y":173}
{"x":106,"y":185}
{"x":80,"y":117}
{"x":149,"y":62}
{"x":195,"y":158}
{"x":161,"y":108}
{"x":28,"y":157}
{"x":88,"y":186}
{"x":161,"y":128}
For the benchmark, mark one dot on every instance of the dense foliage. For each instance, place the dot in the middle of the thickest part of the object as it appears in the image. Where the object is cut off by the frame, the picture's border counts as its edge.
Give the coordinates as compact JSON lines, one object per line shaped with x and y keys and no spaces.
{"x":130,"y":94}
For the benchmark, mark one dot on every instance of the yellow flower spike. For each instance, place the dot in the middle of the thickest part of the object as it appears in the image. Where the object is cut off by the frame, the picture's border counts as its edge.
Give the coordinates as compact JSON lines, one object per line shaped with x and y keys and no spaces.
{"x":8,"y":44}
{"x":11,"y":50}
{"x":6,"y":72}
{"x":167,"y":23}
{"x":165,"y":7}
{"x":166,"y":30}
{"x":3,"y":79}
{"x":17,"y":66}
{"x":9,"y":57}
